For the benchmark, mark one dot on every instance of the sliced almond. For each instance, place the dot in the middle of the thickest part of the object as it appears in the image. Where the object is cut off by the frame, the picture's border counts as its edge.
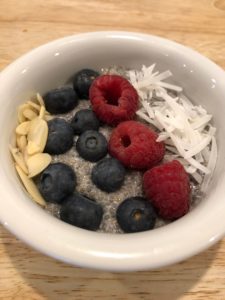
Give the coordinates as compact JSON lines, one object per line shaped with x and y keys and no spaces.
{"x":21,"y":142}
{"x":23,"y":128}
{"x":34,"y":105}
{"x":25,"y":155}
{"x":48,"y":118}
{"x":37,"y":163}
{"x":38,"y":133}
{"x":18,"y":157}
{"x":29,"y":114}
{"x":21,"y":109}
{"x":42,"y":112}
{"x":40,"y":99}
{"x":30,"y":187}
{"x":33,"y":148}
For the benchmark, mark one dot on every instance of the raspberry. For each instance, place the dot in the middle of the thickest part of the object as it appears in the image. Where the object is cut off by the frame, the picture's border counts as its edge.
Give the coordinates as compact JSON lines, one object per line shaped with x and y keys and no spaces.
{"x":135,"y":146}
{"x":113,"y":99}
{"x":167,"y":188}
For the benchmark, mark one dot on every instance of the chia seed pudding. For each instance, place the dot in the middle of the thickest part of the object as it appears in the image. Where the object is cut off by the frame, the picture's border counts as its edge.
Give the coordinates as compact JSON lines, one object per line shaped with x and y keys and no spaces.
{"x":133,"y":185}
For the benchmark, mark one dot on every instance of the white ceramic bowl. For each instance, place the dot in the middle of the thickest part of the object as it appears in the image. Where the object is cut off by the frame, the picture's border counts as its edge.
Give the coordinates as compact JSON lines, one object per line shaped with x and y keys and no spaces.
{"x":51,"y":65}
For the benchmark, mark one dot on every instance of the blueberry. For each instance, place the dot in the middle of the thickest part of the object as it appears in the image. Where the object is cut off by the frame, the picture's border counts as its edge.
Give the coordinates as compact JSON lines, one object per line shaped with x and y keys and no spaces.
{"x":83,"y":120}
{"x":60,"y":136}
{"x":108,"y":174}
{"x":82,"y":81}
{"x":135,"y":214}
{"x":82,"y":212}
{"x":91,"y":145}
{"x":60,"y":101}
{"x":57,"y":181}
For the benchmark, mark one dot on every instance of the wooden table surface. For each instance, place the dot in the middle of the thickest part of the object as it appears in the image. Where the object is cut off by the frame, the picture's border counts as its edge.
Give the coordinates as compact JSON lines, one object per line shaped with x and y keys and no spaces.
{"x":25,"y":24}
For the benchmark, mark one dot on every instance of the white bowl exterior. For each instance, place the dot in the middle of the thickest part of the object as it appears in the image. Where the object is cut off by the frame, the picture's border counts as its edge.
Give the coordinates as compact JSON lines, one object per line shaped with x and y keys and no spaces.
{"x":52,"y":65}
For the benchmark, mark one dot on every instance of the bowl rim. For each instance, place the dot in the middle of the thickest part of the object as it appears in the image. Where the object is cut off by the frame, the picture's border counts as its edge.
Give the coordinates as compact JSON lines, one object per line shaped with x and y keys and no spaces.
{"x":112,"y":252}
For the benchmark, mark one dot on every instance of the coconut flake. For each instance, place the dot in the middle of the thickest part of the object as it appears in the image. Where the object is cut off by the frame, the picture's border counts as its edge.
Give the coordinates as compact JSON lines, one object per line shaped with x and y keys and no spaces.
{"x":199,"y":147}
{"x":201,"y":121}
{"x":184,"y":127}
{"x":197,"y":177}
{"x":211,"y":165}
{"x":144,"y":116}
{"x":170,"y":86}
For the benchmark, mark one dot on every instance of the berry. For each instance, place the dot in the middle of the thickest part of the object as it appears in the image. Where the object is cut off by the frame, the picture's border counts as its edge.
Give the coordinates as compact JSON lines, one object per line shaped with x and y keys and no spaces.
{"x":135,"y":146}
{"x":113,"y":99}
{"x":60,"y":101}
{"x":108,"y":174}
{"x":91,"y":145}
{"x":83,"y":120}
{"x":82,"y":81}
{"x":57,"y":181}
{"x":60,"y":137}
{"x":82,"y":212}
{"x":167,"y":188}
{"x":135,"y":214}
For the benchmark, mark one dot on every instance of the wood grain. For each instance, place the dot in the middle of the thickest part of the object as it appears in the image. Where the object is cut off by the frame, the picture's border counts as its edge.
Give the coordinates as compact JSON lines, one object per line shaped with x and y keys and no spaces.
{"x":200,"y":24}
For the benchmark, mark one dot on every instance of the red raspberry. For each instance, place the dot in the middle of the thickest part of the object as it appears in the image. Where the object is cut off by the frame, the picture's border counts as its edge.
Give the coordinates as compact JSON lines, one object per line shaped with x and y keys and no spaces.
{"x":134,"y":144}
{"x":113,"y":99}
{"x":167,"y":187}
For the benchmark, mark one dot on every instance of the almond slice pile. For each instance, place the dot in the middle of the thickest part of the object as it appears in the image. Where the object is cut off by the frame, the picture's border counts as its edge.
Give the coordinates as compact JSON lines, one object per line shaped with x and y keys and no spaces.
{"x":31,"y":137}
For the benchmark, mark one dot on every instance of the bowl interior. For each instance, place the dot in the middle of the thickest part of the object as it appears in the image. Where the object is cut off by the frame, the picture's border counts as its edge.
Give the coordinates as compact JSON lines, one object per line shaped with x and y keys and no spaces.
{"x":51,"y":66}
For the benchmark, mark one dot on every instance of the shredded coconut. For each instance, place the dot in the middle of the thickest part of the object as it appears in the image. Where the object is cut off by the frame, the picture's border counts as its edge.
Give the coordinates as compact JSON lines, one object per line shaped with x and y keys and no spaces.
{"x":184,"y":127}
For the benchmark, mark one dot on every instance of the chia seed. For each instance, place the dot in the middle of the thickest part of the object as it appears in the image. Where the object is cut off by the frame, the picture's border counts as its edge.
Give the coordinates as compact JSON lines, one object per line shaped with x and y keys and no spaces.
{"x":110,"y":201}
